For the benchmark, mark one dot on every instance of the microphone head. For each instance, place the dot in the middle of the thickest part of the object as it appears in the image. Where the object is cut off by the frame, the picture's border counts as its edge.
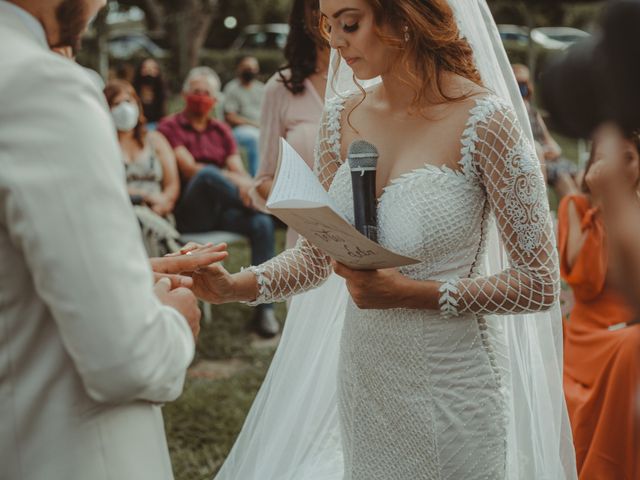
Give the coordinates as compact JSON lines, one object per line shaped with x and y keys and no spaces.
{"x":361,"y":155}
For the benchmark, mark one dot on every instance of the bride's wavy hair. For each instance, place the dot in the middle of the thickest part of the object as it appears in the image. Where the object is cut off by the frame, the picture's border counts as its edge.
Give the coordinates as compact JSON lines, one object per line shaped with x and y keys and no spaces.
{"x":432,"y":45}
{"x":429,"y":43}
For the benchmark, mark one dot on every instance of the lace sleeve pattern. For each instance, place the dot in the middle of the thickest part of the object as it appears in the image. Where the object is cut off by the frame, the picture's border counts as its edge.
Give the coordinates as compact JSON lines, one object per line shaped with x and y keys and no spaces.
{"x":304,"y":267}
{"x":499,"y":155}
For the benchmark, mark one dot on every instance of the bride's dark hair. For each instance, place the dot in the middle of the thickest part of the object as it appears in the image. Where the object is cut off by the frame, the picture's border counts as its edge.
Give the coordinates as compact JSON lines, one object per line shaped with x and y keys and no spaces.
{"x":302,"y":45}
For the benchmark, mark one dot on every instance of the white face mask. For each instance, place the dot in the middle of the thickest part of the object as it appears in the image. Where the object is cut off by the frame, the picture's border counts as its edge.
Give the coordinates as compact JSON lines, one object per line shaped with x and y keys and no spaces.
{"x":125,"y":116}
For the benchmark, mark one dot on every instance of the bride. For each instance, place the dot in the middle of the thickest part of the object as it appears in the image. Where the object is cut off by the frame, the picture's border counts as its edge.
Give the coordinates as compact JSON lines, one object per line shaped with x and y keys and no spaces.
{"x":448,"y":369}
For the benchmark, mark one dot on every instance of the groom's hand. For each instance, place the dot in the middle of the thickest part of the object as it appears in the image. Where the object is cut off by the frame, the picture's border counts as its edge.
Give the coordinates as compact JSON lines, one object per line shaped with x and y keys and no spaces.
{"x":177,"y":281}
{"x":183,"y":300}
{"x":189,"y":261}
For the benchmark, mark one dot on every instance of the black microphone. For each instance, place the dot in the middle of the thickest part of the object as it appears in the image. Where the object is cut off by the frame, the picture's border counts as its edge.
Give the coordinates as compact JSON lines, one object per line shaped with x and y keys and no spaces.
{"x":363,"y":160}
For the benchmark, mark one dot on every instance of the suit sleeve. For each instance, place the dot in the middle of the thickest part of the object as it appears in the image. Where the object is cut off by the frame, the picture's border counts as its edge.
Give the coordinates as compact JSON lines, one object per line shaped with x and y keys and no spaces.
{"x":68,"y":212}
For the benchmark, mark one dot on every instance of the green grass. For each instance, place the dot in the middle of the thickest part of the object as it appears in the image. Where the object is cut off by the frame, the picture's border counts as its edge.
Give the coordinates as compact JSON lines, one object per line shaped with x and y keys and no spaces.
{"x":203,"y":423}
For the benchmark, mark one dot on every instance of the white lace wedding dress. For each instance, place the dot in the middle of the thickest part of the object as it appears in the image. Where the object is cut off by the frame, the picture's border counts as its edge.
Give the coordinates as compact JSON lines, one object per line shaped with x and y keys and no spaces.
{"x":421,"y":393}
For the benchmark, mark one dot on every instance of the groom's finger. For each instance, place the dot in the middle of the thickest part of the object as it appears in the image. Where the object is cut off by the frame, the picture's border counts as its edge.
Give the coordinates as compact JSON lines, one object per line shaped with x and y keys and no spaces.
{"x":163,"y":285}
{"x":177,"y":281}
{"x":185,"y":263}
{"x":193,"y":248}
{"x":209,"y":248}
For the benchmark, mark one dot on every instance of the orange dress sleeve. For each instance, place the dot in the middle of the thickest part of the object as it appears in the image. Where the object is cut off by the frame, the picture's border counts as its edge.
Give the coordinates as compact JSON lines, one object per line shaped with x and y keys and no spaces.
{"x":588,"y":274}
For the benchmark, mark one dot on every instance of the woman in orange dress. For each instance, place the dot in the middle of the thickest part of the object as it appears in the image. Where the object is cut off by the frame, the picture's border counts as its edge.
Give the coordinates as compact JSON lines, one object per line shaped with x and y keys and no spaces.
{"x":602,"y":338}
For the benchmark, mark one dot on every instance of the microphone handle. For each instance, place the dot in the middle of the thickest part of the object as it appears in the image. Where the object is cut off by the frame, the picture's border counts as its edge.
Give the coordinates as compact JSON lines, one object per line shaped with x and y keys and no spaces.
{"x":364,"y":204}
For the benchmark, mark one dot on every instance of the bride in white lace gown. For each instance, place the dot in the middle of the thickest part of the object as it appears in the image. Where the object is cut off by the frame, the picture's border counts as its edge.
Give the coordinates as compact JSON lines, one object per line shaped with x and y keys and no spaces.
{"x":424,"y":382}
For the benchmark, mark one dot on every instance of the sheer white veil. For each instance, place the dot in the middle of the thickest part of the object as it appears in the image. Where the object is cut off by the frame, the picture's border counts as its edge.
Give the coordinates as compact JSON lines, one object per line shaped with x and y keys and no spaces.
{"x":292,"y":431}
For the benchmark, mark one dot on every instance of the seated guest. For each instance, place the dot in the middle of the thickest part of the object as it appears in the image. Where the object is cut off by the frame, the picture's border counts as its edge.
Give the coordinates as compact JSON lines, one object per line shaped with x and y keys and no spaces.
{"x":152,"y":173}
{"x":602,"y":337}
{"x":242,"y":103}
{"x":152,"y":90}
{"x":216,"y":185}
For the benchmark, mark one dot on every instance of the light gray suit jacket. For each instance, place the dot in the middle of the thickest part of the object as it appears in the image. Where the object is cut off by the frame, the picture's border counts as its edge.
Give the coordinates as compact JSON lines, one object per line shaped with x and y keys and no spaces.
{"x":87,"y":352}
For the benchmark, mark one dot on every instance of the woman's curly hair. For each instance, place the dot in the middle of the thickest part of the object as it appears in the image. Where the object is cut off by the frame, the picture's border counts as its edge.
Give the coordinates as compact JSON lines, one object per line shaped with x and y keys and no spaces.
{"x":301,"y":50}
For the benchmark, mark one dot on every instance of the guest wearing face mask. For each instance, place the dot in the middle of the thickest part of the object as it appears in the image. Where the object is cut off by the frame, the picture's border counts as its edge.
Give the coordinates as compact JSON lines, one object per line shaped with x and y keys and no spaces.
{"x":215,"y":194}
{"x":151,"y":87}
{"x":152,"y":174}
{"x":242,"y":105}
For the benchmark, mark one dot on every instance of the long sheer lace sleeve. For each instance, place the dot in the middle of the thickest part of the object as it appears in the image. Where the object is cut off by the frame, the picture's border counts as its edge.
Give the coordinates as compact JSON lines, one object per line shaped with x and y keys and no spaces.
{"x":304,"y":267}
{"x":500,"y":156}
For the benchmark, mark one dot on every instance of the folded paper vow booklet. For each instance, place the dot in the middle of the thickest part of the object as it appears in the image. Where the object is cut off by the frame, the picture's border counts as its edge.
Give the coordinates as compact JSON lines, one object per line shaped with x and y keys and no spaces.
{"x":298,"y":199}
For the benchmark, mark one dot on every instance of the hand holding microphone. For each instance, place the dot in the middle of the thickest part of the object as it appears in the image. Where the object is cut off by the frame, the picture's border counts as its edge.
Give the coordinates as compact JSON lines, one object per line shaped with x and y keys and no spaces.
{"x":363,"y":161}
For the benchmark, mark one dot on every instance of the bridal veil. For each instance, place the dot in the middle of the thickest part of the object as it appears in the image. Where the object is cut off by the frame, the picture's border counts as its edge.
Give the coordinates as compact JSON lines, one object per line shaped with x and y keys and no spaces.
{"x":292,"y":430}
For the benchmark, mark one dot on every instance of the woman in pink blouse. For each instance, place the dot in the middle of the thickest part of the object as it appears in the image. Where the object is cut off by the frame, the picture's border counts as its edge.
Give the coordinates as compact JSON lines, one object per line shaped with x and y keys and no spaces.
{"x":294,"y":99}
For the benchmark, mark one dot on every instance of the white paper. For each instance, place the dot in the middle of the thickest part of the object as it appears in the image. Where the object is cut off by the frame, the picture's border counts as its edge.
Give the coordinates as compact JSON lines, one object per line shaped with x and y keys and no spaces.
{"x":298,"y":199}
{"x":296,"y":185}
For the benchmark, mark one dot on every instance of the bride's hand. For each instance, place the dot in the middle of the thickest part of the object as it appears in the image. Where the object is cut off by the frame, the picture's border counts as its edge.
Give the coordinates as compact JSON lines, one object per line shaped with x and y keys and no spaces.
{"x":372,"y":289}
{"x":382,"y":289}
{"x":211,"y":281}
{"x":214,"y":284}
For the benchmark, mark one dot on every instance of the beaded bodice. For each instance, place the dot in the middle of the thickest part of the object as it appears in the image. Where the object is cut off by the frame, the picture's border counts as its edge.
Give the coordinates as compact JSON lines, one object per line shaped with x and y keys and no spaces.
{"x":442,"y":217}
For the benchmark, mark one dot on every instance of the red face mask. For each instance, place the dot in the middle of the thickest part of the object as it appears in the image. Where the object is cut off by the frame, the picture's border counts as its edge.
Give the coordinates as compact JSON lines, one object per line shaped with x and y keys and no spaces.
{"x":199,"y":104}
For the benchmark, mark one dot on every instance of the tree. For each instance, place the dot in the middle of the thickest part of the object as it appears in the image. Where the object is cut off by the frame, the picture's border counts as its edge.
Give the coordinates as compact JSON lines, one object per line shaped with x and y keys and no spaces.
{"x":186,"y":23}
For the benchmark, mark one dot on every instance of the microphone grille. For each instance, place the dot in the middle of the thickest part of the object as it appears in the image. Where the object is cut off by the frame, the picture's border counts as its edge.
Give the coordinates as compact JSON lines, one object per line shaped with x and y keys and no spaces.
{"x":362,"y":154}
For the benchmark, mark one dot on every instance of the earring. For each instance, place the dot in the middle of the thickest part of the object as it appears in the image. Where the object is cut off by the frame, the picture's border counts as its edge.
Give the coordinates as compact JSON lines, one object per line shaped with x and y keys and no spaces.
{"x":405,"y":29}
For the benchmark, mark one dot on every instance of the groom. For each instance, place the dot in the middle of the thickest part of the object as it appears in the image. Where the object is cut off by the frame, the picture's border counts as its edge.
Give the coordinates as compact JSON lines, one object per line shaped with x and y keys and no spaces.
{"x":88,"y":350}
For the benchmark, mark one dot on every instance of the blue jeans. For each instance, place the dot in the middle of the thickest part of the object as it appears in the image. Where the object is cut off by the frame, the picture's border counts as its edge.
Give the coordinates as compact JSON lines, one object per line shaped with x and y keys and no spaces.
{"x":248,"y":138}
{"x":211,"y":202}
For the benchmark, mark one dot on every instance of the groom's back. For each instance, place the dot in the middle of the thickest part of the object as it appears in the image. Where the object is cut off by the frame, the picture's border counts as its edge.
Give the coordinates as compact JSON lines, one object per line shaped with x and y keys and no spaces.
{"x":67,"y":413}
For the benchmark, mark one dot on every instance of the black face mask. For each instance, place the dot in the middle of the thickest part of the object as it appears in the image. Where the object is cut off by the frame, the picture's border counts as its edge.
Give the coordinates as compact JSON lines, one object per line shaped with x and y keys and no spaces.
{"x":248,"y":75}
{"x":149,"y":80}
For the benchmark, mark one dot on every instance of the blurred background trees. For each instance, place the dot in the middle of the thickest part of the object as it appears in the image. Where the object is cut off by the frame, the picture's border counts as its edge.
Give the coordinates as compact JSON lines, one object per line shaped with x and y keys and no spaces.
{"x":176,"y":31}
{"x":185,"y":33}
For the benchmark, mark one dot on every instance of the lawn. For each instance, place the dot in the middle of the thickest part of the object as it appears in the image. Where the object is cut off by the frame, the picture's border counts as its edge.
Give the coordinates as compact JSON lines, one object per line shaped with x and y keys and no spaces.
{"x":229,"y":367}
